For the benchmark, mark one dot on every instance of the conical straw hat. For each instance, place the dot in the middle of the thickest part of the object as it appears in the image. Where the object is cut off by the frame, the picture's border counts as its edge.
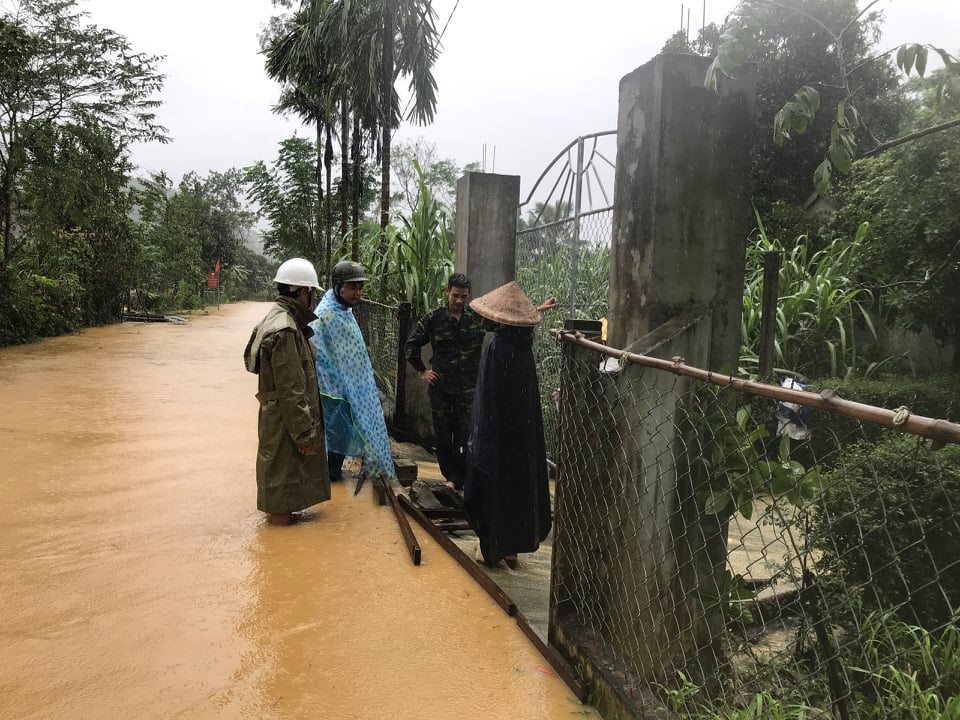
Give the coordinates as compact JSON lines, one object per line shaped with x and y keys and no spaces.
{"x":507,"y":305}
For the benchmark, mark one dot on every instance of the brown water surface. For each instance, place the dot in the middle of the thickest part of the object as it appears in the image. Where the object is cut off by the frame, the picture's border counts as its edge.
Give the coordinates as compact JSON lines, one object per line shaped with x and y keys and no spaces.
{"x":137,"y":579}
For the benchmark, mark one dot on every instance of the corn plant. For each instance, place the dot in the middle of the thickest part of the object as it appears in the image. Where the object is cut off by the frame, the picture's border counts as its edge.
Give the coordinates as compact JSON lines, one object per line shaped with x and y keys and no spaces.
{"x":419,"y":255}
{"x":423,"y":254}
{"x":819,"y":308}
{"x":545,"y":269}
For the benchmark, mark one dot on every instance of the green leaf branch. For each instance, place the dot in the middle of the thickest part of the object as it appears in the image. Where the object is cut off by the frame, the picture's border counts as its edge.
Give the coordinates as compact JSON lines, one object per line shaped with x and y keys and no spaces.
{"x":740,"y":39}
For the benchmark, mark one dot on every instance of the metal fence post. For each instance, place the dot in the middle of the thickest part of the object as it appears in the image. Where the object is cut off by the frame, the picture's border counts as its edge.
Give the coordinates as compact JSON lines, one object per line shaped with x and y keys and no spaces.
{"x":404,"y":313}
{"x":577,"y":205}
{"x":768,"y":318}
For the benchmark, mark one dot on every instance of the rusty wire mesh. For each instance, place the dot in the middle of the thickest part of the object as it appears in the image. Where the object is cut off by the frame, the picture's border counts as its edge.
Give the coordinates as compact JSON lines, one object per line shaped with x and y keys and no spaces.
{"x":546,"y":268}
{"x":380,"y":327}
{"x":712,"y":566}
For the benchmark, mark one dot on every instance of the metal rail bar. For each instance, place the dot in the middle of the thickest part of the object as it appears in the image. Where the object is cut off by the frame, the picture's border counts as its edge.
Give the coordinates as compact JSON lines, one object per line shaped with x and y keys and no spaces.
{"x":538,"y":228}
{"x":560,"y":155}
{"x":563,"y":669}
{"x":563,"y":174}
{"x":412,"y":545}
{"x":607,"y":160}
{"x":596,"y":174}
{"x":575,"y":255}
{"x":493,"y":590}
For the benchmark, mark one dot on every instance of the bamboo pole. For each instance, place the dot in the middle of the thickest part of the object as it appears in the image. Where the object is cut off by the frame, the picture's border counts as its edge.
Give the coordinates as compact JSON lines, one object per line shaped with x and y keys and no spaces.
{"x":940,"y":430}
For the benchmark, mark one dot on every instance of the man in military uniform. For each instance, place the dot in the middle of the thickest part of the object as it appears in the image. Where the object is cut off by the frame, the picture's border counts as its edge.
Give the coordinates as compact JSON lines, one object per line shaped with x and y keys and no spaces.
{"x":456,"y":334}
{"x":291,"y":459}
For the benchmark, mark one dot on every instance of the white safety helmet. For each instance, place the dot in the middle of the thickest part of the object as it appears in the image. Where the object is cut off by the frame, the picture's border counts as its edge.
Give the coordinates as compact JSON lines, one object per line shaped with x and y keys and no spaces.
{"x":297,"y":272}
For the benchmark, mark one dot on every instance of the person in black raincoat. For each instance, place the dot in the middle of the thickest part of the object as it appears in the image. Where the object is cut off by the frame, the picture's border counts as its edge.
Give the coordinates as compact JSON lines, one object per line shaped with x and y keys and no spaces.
{"x":507,"y":495}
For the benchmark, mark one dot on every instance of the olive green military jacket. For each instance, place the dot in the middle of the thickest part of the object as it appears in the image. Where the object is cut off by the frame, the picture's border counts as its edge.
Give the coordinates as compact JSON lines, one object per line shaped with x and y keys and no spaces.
{"x":282,"y":355}
{"x":456,"y":348}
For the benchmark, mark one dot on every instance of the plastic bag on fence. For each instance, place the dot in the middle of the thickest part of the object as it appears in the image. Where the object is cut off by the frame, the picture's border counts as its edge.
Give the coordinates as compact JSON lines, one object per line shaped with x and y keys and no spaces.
{"x":793,"y":420}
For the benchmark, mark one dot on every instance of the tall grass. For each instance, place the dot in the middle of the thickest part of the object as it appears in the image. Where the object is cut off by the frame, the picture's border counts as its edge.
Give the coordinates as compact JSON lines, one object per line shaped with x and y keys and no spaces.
{"x":419,"y":256}
{"x":820,"y":308}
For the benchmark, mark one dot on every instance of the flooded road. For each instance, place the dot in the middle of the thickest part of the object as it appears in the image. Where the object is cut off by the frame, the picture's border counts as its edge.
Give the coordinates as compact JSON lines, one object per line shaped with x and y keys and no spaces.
{"x":137,"y":579}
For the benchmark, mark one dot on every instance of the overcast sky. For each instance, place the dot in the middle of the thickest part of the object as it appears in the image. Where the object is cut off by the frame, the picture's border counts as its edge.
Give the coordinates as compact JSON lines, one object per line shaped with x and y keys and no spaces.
{"x":526,"y":76}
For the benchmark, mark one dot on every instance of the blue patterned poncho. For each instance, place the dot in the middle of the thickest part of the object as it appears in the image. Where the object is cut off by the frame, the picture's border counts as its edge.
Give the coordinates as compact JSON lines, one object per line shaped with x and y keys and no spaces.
{"x":352,"y":414}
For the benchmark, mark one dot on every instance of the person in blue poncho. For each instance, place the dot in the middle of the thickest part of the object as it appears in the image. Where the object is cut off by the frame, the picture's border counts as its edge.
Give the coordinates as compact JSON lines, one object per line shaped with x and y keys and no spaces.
{"x":352,"y":414}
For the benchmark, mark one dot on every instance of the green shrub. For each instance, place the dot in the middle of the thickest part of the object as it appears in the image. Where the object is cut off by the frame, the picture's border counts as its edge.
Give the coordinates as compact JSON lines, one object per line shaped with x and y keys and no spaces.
{"x":34,"y":307}
{"x":19,"y":311}
{"x":887,"y":652}
{"x":935,"y":396}
{"x":887,"y":529}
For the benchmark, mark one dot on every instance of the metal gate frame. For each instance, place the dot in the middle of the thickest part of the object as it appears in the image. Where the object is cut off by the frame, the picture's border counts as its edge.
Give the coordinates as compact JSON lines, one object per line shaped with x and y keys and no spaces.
{"x":575,"y":179}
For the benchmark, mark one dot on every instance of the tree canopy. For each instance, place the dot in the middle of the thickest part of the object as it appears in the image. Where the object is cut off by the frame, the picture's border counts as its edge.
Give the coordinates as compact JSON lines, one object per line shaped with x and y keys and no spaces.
{"x":840,"y":71}
{"x":60,"y":74}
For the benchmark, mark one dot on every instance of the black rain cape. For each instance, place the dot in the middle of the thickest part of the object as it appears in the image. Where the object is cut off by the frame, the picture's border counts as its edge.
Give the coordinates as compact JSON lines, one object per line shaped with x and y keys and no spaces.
{"x":507,"y":495}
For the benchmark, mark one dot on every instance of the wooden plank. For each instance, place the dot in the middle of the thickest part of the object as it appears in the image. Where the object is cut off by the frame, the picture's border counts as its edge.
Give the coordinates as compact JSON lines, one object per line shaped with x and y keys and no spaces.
{"x":768,"y":313}
{"x":553,"y":656}
{"x":467,"y":563}
{"x":412,"y":545}
{"x":549,"y":653}
{"x":404,"y":320}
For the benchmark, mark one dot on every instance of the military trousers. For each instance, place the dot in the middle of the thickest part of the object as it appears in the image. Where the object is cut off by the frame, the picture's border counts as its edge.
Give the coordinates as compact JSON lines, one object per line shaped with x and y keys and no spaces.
{"x":451,"y":429}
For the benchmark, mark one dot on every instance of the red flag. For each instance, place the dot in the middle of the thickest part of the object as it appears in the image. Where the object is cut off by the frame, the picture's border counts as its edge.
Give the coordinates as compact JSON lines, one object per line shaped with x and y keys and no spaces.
{"x":217,"y":268}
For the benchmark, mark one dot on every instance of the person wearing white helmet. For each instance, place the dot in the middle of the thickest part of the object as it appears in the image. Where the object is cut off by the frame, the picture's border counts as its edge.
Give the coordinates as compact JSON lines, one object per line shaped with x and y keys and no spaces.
{"x":291,"y":459}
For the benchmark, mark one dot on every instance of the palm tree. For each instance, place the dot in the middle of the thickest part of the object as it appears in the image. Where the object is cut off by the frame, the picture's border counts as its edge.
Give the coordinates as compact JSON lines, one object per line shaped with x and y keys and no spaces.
{"x":311,"y":110}
{"x":344,"y":57}
{"x":308,"y":93}
{"x":410,"y":48}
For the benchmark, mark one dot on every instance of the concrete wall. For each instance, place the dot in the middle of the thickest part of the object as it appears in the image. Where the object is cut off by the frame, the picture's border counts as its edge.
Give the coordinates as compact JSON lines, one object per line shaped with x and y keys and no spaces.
{"x":630,"y":549}
{"x":681,"y":201}
{"x":486,"y":231}
{"x":921,"y":350}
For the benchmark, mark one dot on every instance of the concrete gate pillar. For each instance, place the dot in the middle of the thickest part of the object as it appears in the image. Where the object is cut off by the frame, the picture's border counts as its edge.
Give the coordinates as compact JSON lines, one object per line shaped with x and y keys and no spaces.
{"x":634,"y":558}
{"x":681,"y":201}
{"x":486,"y":232}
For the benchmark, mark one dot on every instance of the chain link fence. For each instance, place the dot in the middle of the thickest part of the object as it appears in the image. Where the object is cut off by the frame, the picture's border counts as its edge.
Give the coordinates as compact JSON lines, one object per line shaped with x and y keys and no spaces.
{"x":723,"y":555}
{"x":547,"y":266}
{"x":384,"y":331}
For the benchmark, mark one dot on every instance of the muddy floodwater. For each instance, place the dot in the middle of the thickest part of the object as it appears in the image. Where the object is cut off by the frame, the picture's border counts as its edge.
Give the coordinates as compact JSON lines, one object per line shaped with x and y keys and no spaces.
{"x":137,"y":579}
